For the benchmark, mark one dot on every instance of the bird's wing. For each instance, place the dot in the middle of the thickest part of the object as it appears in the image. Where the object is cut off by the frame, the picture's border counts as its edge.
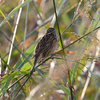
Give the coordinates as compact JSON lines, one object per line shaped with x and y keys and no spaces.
{"x":45,"y":42}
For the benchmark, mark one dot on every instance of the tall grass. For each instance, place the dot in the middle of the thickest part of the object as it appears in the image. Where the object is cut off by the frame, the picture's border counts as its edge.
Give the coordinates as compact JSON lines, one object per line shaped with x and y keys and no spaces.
{"x":73,"y":73}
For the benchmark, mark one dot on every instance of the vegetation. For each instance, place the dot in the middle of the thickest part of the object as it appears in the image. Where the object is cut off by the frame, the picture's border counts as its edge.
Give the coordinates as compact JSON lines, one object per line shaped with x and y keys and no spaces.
{"x":73,"y":73}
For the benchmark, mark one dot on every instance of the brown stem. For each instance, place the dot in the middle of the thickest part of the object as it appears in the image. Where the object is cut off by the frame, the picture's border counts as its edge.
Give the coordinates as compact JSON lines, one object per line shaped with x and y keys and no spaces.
{"x":25,"y":82}
{"x":70,"y":86}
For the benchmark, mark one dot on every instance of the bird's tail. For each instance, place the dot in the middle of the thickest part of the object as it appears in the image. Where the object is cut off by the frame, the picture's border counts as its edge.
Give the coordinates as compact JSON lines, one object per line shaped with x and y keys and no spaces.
{"x":35,"y":62}
{"x":36,"y":59}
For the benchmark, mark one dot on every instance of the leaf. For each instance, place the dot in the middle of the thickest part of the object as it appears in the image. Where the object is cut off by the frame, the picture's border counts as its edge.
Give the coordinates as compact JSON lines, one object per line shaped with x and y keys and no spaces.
{"x":95,"y":78}
{"x":23,"y":60}
{"x":95,"y":24}
{"x":70,"y":35}
{"x":65,"y":89}
{"x":5,"y":62}
{"x":96,"y":21}
{"x":6,"y":80}
{"x":8,"y":23}
{"x":58,"y":10}
{"x":14,"y":11}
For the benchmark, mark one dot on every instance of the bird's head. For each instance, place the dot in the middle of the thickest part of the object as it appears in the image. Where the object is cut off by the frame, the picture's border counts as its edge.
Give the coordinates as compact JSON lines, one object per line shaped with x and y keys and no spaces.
{"x":51,"y":30}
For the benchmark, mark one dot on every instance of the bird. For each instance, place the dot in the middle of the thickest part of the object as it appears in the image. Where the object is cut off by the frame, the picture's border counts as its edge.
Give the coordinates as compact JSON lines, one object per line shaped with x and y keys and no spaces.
{"x":45,"y":47}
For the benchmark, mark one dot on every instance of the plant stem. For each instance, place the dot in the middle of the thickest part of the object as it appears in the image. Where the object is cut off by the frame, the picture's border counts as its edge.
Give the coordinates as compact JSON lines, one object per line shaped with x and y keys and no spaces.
{"x":70,"y":86}
{"x":58,"y":28}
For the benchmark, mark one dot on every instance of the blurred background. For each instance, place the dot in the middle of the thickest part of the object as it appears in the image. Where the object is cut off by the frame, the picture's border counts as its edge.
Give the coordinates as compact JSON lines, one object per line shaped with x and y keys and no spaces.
{"x":76,"y":18}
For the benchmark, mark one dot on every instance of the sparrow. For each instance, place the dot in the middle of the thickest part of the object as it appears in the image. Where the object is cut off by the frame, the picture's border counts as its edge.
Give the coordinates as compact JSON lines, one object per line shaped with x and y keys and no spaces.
{"x":45,"y":47}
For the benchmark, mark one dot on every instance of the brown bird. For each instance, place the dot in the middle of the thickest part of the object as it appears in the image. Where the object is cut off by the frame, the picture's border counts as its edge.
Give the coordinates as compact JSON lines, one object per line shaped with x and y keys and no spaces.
{"x":45,"y":47}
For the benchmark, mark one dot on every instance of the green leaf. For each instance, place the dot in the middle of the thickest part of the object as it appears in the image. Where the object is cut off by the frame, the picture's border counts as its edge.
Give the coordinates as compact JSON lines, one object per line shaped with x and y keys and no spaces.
{"x":58,"y":10}
{"x":7,"y":21}
{"x":23,"y":60}
{"x":96,"y":21}
{"x":95,"y":78}
{"x":95,"y":24}
{"x":6,"y":80}
{"x":65,"y":89}
{"x":5,"y":62}
{"x":14,"y":11}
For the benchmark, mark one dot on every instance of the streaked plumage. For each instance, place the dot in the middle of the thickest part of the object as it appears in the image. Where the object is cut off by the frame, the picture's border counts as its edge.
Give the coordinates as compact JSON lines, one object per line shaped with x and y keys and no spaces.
{"x":46,"y":46}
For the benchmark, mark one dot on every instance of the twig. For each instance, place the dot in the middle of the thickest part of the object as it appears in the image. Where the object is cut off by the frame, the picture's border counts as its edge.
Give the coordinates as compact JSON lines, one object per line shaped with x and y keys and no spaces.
{"x":25,"y":82}
{"x":34,"y":90}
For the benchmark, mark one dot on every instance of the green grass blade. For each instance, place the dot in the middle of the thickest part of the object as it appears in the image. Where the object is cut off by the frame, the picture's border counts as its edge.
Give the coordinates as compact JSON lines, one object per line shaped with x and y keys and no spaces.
{"x":65,"y":89}
{"x":14,"y":11}
{"x":6,"y":80}
{"x":58,"y":11}
{"x":95,"y":78}
{"x":95,"y":24}
{"x":23,"y":60}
